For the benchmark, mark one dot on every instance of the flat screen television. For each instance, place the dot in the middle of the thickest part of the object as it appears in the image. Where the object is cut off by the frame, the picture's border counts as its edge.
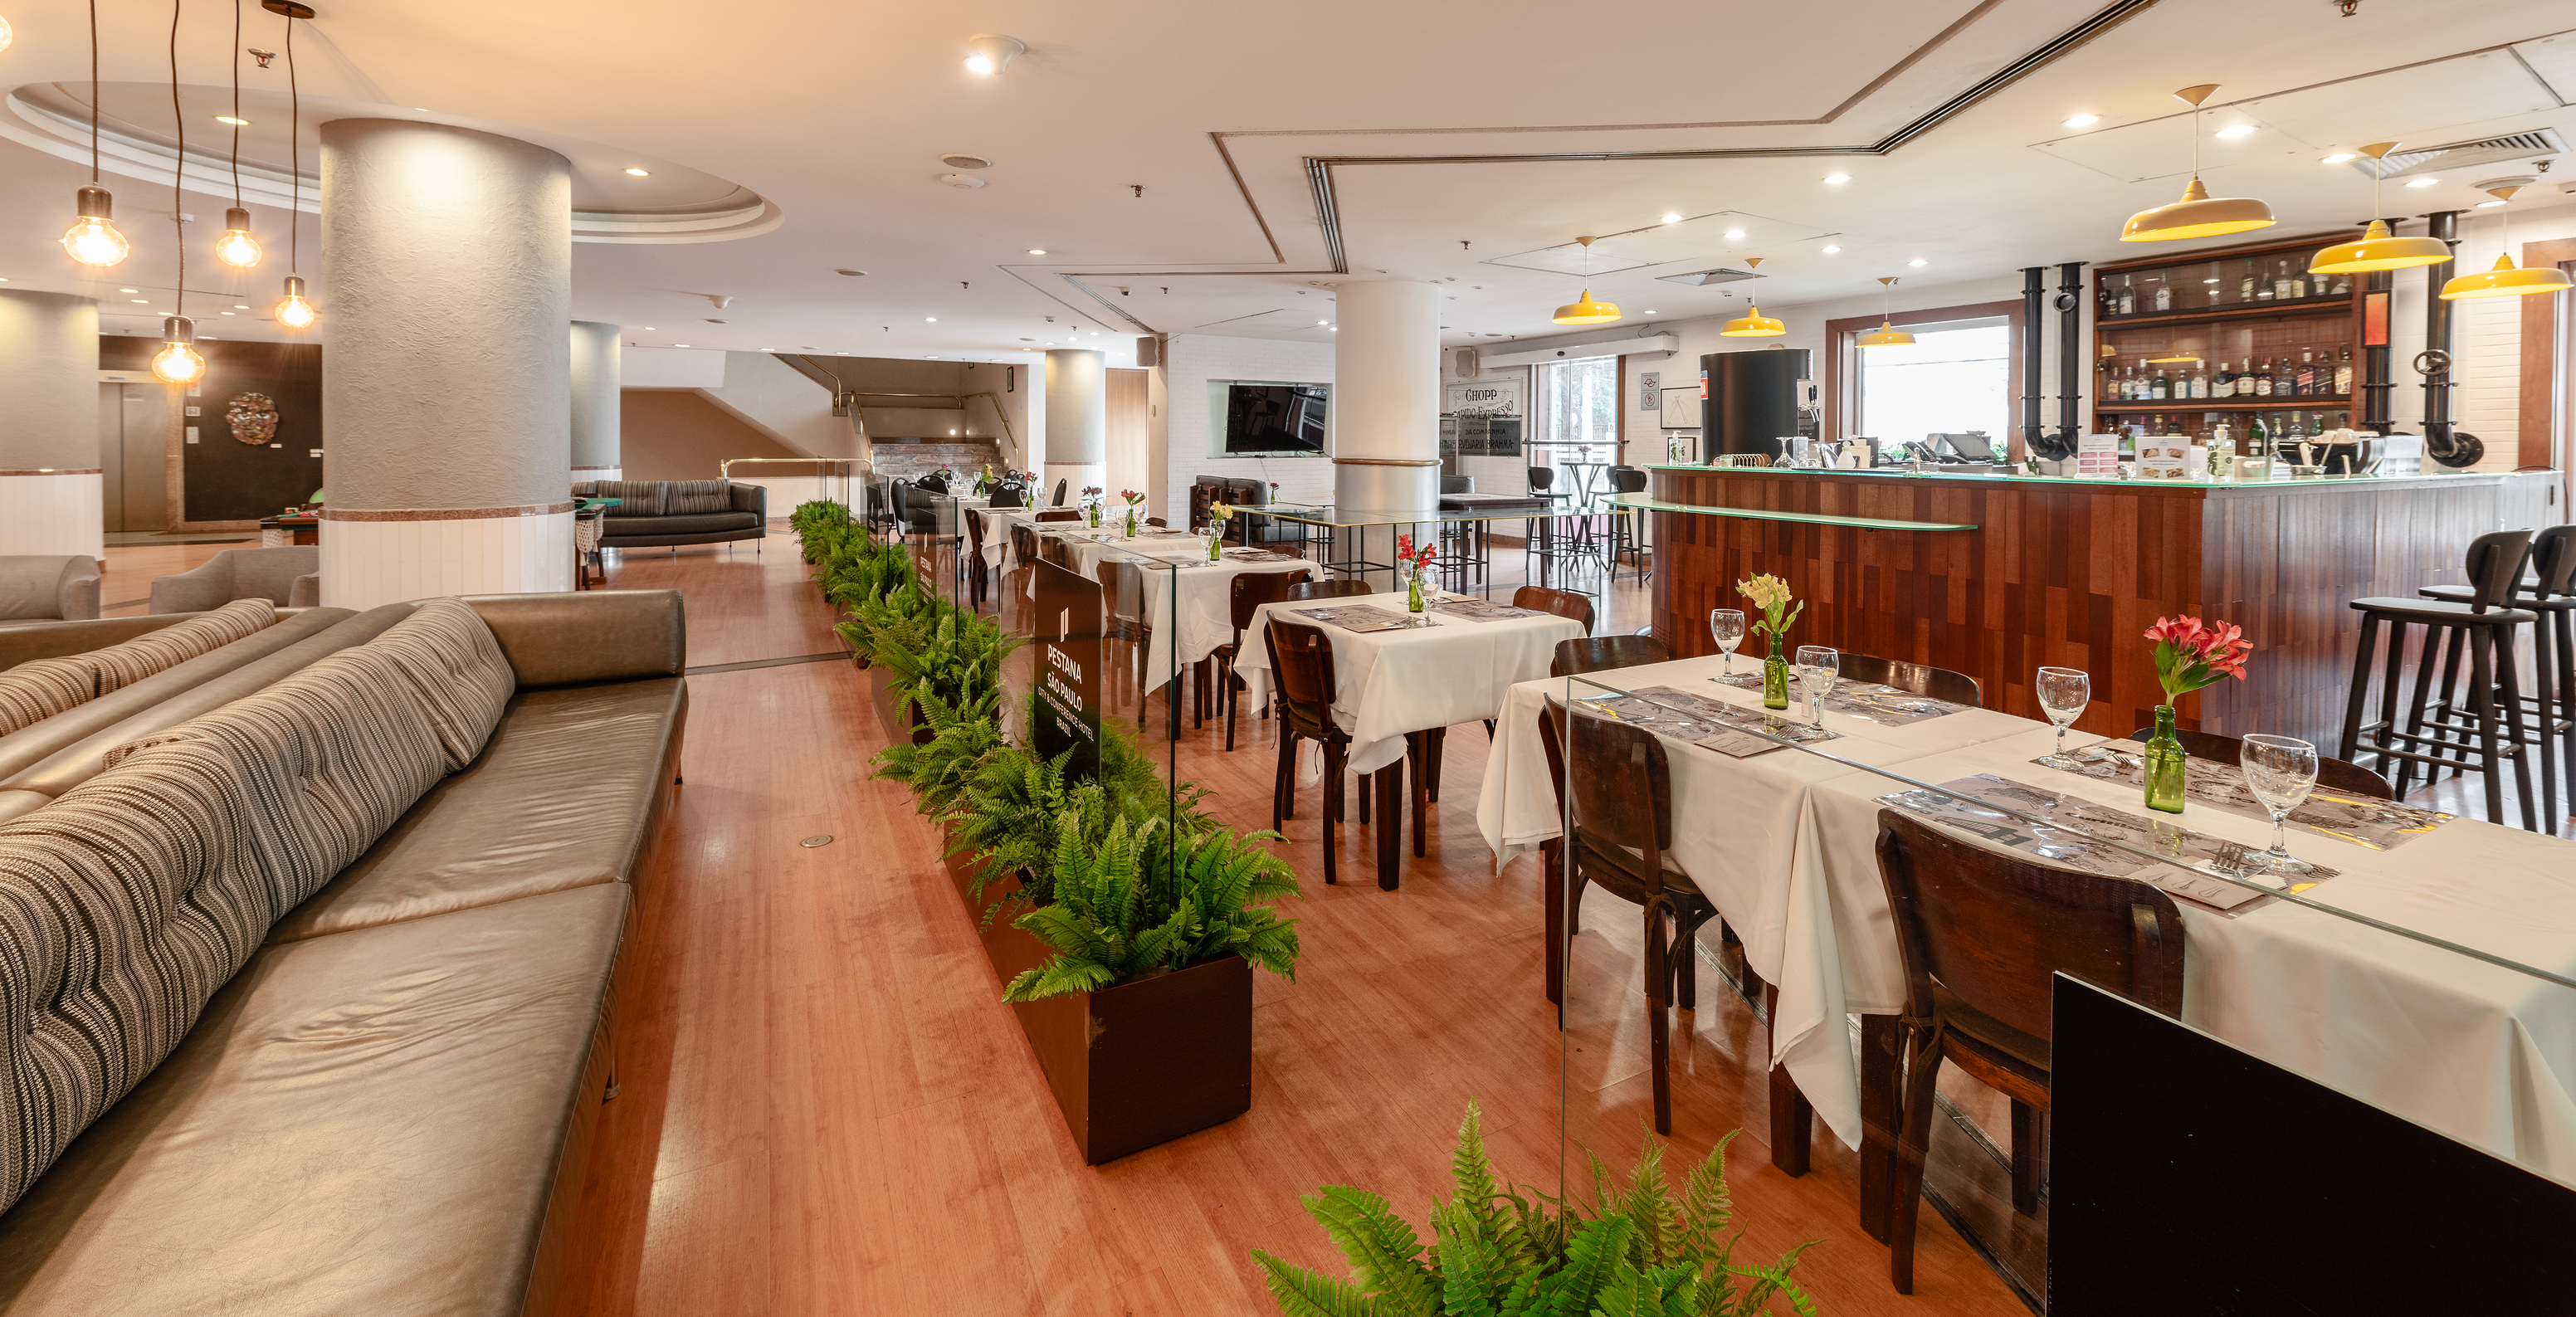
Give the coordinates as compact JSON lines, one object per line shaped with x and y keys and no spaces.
{"x":1275,"y":418}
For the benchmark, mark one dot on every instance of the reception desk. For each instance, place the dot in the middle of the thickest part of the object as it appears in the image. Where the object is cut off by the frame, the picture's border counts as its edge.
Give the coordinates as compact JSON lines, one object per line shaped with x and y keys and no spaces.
{"x":1995,"y":576}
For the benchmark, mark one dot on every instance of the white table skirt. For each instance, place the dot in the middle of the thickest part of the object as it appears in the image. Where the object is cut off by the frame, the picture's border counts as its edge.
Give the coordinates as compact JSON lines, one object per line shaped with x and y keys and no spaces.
{"x":1204,"y":590}
{"x":1393,"y":682}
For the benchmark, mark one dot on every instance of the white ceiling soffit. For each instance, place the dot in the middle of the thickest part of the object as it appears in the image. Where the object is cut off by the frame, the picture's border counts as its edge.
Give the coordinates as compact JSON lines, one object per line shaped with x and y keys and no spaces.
{"x":1617,"y":347}
{"x":1700,"y":239}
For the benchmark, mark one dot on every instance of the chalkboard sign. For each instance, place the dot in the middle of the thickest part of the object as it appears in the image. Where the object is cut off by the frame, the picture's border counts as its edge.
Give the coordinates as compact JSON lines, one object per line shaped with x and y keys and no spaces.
{"x":1066,"y":712}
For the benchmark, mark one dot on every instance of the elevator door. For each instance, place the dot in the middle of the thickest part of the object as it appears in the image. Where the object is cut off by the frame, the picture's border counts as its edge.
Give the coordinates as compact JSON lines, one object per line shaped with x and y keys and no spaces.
{"x":134,"y":456}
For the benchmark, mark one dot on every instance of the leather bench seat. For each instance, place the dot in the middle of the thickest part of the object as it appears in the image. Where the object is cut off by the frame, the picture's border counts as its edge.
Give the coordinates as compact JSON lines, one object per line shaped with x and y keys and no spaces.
{"x":371,"y":1122}
{"x":570,"y":791}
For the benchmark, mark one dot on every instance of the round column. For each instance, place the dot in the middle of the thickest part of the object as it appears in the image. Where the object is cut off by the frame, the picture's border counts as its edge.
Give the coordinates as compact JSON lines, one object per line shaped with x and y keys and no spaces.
{"x":51,"y":495}
{"x":446,"y":392}
{"x":1386,"y":405}
{"x":1077,"y":422}
{"x":595,"y":415}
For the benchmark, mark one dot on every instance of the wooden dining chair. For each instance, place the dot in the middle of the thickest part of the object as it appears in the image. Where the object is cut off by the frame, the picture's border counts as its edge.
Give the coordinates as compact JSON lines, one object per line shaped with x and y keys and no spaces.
{"x":1301,"y":668}
{"x":1622,"y":829}
{"x":1304,"y":590}
{"x":1981,"y":933}
{"x":1918,"y":678}
{"x":1563,"y":603}
{"x":1246,"y":593}
{"x":1059,"y":514}
{"x":2332,"y":774}
{"x":1602,"y":653}
{"x":976,"y":575}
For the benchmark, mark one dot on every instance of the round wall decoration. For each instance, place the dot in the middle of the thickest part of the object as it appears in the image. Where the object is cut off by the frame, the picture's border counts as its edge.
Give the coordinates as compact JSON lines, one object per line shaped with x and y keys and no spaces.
{"x":253,"y":417}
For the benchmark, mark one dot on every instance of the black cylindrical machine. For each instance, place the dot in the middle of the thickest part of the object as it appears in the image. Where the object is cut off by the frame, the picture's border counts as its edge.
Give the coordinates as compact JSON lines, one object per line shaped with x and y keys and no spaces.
{"x":1749,"y":400}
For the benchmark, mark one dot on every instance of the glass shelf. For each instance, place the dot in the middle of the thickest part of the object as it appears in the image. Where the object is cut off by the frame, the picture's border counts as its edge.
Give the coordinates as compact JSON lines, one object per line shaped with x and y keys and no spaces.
{"x":2250,"y":282}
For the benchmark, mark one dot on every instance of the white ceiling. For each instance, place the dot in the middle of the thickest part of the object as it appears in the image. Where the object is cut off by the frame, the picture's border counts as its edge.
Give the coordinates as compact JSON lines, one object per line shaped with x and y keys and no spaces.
{"x":836,"y":116}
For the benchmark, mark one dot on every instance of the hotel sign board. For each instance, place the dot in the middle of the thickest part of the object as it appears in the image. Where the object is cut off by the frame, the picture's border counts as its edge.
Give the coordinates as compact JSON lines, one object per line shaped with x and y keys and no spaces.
{"x":1065,"y":715}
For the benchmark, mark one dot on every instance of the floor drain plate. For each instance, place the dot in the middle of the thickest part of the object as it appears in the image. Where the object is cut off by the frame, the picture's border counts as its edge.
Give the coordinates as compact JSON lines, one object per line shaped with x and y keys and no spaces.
{"x":818,"y":839}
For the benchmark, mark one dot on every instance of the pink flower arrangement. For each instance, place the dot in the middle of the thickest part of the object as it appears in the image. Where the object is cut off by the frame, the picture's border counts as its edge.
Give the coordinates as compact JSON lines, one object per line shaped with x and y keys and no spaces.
{"x":2190,"y":655}
{"x":1131,"y":496}
{"x":1406,"y":554}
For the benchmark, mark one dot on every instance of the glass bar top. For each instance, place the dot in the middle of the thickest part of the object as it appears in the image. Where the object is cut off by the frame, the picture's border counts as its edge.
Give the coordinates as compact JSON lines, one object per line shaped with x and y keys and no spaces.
{"x":1766,"y":514}
{"x":1325,"y":514}
{"x":2277,"y":483}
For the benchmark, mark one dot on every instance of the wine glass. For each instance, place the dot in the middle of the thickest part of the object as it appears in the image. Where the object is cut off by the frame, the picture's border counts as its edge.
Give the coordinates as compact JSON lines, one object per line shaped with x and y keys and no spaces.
{"x":2063,"y":693}
{"x":1726,"y":627}
{"x":1818,"y":665}
{"x":2280,"y":770}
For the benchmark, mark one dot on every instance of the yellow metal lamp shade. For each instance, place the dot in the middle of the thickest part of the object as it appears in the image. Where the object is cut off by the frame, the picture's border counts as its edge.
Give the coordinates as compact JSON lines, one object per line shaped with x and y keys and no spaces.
{"x":1887,"y":335}
{"x":2197,"y":215}
{"x":2378,"y":251}
{"x":1753,"y":324}
{"x":2505,"y":281}
{"x":1584,"y":311}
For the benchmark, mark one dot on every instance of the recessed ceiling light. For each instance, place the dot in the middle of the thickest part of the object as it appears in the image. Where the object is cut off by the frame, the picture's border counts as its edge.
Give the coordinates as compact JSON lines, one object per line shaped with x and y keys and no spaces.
{"x":2235,"y":130}
{"x":1650,"y":313}
{"x":1320,"y":322}
{"x":223,"y":313}
{"x":1918,"y":261}
{"x":2337,"y":158}
{"x":641,"y":173}
{"x":2424,"y":182}
{"x":993,"y":52}
{"x":679,"y":345}
{"x":1837,"y":178}
{"x":1735,"y":233}
{"x":420,"y":109}
{"x":852,"y":273}
{"x":2084,"y":121}
{"x":237,"y":123}
{"x":241,"y":306}
{"x":1037,"y":251}
{"x":129,"y":290}
{"x":930,"y":320}
{"x":648,"y":329}
{"x":1670,"y":219}
{"x":140,"y":301}
{"x":1831,"y":250}
{"x":2484,"y":204}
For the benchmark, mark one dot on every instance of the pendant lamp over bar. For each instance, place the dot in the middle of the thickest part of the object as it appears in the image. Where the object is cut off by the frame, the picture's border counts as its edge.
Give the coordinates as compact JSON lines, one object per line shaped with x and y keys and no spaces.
{"x":2198,"y":214}
{"x":1887,"y":335}
{"x":1753,"y":324}
{"x":2504,"y":280}
{"x":1583,"y":310}
{"x":2376,"y":250}
{"x":92,"y":239}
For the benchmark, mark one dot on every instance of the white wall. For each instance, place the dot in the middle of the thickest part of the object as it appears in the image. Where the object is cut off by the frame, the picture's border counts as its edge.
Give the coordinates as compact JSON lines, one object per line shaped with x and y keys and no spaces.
{"x":2486,"y":335}
{"x":1178,"y":438}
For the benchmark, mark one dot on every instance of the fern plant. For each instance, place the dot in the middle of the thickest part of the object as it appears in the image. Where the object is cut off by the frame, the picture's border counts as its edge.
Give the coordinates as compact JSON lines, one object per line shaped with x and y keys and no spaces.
{"x":1145,"y":899}
{"x":1505,"y":1252}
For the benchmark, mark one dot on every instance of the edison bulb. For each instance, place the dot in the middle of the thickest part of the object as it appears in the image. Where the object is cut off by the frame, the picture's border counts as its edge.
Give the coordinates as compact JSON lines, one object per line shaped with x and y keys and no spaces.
{"x":6,"y":36}
{"x":294,"y":312}
{"x":237,"y":248}
{"x":178,"y":363}
{"x":93,"y":241}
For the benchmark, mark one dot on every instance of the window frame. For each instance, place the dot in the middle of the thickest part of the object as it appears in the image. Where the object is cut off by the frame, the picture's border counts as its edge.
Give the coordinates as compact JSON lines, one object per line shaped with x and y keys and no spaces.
{"x":1842,"y":365}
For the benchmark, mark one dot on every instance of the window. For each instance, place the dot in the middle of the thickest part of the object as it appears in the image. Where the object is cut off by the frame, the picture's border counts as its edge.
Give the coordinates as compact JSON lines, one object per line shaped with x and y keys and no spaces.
{"x":1953,"y":378}
{"x":1576,"y":411}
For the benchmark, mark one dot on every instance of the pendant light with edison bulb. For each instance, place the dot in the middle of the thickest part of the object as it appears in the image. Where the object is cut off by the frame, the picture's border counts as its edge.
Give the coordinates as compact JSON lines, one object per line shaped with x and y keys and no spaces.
{"x":2504,"y":280}
{"x":1583,"y":310}
{"x":92,"y":239}
{"x":2375,"y":249}
{"x":178,"y":361}
{"x":237,"y":248}
{"x":2197,"y":214}
{"x":1753,"y":324}
{"x":293,"y":310}
{"x":1887,"y":335}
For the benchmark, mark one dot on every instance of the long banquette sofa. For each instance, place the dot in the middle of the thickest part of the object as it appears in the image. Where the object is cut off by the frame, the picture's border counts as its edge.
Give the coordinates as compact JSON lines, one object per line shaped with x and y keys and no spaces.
{"x":314,"y":950}
{"x":653,"y":513}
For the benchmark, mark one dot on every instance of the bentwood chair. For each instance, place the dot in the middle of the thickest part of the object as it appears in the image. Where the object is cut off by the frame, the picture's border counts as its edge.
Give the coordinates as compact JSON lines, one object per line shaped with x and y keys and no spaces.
{"x":1621,"y":832}
{"x":1563,"y":603}
{"x":1246,"y":593}
{"x":1981,"y":933}
{"x":1058,"y":514}
{"x":2332,"y":774}
{"x":1304,"y":590}
{"x":976,"y":575}
{"x":1602,"y":653}
{"x":1058,"y":500}
{"x":1916,"y":678}
{"x":1301,"y":664}
{"x":1008,"y":494}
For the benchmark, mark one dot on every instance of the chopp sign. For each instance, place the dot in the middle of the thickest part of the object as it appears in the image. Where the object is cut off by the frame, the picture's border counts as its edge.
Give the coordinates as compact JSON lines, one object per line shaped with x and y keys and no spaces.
{"x":1066,"y":713}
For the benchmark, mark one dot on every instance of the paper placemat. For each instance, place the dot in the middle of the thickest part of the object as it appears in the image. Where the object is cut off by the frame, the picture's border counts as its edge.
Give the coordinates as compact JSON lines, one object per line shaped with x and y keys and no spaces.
{"x":2377,"y":825}
{"x":2075,"y":845}
{"x":1358,"y":617}
{"x":1687,"y":717}
{"x":1260,"y":555}
{"x":1481,"y":610}
{"x":1887,"y":706}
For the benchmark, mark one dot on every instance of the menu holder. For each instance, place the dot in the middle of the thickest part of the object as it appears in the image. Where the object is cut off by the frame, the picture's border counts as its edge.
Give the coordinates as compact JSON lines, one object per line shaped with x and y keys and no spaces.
{"x":1481,"y":610}
{"x":2364,"y":821}
{"x":1887,"y":706}
{"x":2074,"y":840}
{"x":1358,"y":617}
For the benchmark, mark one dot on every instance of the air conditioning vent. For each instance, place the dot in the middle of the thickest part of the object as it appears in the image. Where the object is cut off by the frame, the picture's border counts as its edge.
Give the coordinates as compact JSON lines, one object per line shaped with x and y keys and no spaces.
{"x":2485,"y":150}
{"x":1698,"y":278}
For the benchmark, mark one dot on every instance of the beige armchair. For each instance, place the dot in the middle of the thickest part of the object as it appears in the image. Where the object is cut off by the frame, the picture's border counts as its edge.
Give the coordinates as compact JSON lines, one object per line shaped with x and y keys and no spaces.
{"x":48,"y":587}
{"x":290,"y":577}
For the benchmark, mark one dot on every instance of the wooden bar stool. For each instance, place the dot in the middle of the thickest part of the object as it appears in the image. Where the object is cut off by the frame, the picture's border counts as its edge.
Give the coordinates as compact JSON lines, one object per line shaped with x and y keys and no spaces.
{"x":2482,"y":629}
{"x":2548,"y":589}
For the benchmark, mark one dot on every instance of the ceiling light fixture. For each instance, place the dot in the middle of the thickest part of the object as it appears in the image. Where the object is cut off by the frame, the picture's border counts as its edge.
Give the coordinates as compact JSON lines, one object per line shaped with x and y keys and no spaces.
{"x":2424,"y":182}
{"x":930,"y":320}
{"x":2233,"y":130}
{"x":1037,"y":251}
{"x":2489,"y":205}
{"x":1583,"y":310}
{"x":178,"y":361}
{"x":1837,"y":178}
{"x":6,"y":36}
{"x":639,"y":173}
{"x":1733,"y":234}
{"x":140,"y":301}
{"x":993,"y":52}
{"x":294,"y":310}
{"x":1670,"y":219}
{"x":1887,"y":335}
{"x":2338,"y":158}
{"x":92,"y":239}
{"x":2197,"y":214}
{"x":1831,"y":250}
{"x":1753,"y":324}
{"x":2084,"y":121}
{"x":230,"y":119}
{"x":2376,"y":250}
{"x":2504,"y":280}
{"x":1918,"y":262}
{"x":236,"y":247}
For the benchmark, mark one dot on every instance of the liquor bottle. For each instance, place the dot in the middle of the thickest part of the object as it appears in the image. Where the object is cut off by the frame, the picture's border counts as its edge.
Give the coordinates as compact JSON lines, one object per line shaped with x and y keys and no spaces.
{"x":2343,"y":373}
{"x":2263,"y":379}
{"x":2281,"y":281}
{"x":2245,"y":290}
{"x":2316,"y":422}
{"x":2298,"y":283}
{"x":2164,"y":294}
{"x":2128,"y":297}
{"x":2160,"y":388}
{"x":2245,"y":379}
{"x":2258,"y":437}
{"x":2120,"y":385}
{"x":2309,"y":383}
{"x":2199,"y":383}
{"x":2226,"y":381}
{"x":2293,"y":432}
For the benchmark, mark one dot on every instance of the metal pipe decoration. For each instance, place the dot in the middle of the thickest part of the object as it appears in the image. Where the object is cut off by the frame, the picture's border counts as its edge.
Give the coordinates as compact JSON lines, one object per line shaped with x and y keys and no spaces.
{"x":2441,"y":443}
{"x":2034,"y":286}
{"x":2073,"y":352}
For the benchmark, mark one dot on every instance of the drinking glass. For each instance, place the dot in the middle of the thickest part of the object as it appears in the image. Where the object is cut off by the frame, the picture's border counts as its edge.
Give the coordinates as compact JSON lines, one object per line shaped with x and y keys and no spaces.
{"x":2280,"y":770}
{"x":1726,"y":627}
{"x":1818,"y":665}
{"x":2063,"y":693}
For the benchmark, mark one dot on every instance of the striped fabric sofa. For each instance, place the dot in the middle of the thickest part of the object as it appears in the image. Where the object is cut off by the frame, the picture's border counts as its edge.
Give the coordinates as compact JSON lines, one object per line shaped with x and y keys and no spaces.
{"x":653,"y":513}
{"x":311,"y":974}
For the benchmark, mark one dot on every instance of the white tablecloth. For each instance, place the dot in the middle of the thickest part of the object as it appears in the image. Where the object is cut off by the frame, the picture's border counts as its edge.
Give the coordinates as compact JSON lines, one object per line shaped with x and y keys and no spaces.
{"x":2480,"y":1053}
{"x":1198,"y":591}
{"x":1393,"y":682}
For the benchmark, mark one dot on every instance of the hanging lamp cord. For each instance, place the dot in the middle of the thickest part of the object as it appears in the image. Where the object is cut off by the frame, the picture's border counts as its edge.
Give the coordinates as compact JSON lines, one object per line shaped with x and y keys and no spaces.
{"x":294,"y":153}
{"x":179,"y":170}
{"x":237,"y":103}
{"x":93,"y":93}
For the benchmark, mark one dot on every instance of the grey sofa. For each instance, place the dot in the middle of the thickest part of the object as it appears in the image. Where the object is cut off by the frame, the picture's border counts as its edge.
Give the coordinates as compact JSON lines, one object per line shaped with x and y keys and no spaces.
{"x":350,"y":1060}
{"x":47,"y":587}
{"x":288,"y":576}
{"x":653,"y":513}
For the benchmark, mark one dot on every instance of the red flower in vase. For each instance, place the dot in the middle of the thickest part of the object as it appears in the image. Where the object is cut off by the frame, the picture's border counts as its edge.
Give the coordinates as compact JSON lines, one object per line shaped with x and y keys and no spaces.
{"x":2190,"y":655}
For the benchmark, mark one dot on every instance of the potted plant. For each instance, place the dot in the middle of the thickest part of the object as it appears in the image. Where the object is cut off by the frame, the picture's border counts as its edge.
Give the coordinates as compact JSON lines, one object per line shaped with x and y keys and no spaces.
{"x":1091,"y":504}
{"x":1132,"y":499}
{"x":1414,"y":563}
{"x":2188,"y":657}
{"x":1771,"y":595}
{"x":1218,"y":515}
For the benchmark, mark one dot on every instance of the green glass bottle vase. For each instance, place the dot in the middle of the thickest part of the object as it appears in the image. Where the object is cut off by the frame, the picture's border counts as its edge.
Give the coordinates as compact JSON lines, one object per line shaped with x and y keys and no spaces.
{"x":1413,"y":590}
{"x":2165,"y":765}
{"x":1775,"y":677}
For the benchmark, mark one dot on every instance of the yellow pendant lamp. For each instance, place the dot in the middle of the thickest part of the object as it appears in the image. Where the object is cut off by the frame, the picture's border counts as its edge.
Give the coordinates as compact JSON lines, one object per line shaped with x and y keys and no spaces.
{"x":1887,"y":335}
{"x":2198,"y":214}
{"x":2377,"y":250}
{"x":1583,"y":310}
{"x":1753,"y":324}
{"x":2504,"y":280}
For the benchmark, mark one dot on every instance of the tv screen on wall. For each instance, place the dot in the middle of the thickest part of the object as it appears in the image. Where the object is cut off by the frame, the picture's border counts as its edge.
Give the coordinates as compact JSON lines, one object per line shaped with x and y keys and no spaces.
{"x":1275,"y":418}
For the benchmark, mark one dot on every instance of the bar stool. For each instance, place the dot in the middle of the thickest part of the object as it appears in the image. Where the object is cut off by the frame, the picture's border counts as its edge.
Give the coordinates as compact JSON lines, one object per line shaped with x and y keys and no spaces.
{"x":2483,"y":628}
{"x":1625,"y":539}
{"x":2548,"y":589}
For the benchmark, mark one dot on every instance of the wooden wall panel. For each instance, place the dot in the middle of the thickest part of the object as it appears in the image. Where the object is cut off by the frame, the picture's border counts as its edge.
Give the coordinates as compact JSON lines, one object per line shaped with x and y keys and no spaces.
{"x":2073,"y":575}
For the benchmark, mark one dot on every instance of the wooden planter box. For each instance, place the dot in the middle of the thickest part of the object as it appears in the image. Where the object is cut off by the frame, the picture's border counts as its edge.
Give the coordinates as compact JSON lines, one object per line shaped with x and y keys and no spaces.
{"x":1136,"y":1065}
{"x":880,"y":683}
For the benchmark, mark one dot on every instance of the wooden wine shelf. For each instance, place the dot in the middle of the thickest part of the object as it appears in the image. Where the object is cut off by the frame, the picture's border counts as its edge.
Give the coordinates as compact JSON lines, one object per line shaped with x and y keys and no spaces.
{"x":2318,"y":401}
{"x":2232,"y":311}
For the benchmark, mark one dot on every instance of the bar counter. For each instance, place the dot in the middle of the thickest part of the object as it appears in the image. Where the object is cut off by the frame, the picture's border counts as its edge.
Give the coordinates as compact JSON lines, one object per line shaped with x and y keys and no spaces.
{"x":1997,"y":575}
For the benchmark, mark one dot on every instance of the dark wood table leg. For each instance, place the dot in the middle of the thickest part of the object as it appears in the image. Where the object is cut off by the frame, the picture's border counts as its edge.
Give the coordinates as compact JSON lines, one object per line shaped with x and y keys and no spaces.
{"x":1433,"y":742}
{"x":1390,"y":823}
{"x":1881,"y":1064}
{"x":1793,"y":1121}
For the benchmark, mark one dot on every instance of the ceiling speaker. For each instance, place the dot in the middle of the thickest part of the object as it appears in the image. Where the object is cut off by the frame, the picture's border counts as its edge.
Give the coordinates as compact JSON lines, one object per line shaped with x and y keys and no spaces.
{"x":1468,"y":366}
{"x":1148,"y":352}
{"x":961,"y":160}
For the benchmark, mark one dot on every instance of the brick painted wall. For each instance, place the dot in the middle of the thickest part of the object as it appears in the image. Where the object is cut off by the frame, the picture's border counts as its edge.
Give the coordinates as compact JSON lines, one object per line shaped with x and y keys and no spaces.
{"x":917,"y":460}
{"x":1179,"y":441}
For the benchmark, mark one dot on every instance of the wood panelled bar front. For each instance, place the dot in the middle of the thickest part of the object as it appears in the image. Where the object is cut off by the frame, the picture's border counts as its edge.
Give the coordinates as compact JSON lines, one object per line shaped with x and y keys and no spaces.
{"x":2032,"y":571}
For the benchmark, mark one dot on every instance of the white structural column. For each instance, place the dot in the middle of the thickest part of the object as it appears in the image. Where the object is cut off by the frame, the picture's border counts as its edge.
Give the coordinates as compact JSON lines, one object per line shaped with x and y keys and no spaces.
{"x":446,"y":393}
{"x":1077,"y":422}
{"x":50,"y":490}
{"x":596,"y":379}
{"x":1386,"y":404}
